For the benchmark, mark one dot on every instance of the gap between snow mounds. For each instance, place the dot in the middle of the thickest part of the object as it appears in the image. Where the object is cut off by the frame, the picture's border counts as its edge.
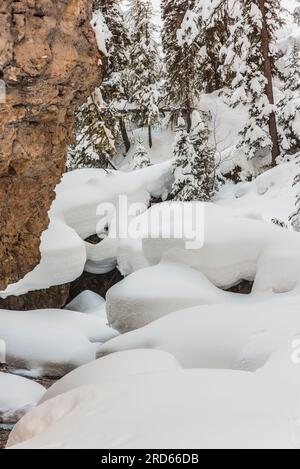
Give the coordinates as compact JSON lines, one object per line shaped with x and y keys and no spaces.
{"x":73,"y":218}
{"x":164,"y":406}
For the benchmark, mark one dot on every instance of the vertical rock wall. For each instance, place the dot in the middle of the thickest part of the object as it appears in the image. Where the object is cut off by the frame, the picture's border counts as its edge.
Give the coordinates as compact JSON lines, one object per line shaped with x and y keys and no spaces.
{"x":49,"y":63}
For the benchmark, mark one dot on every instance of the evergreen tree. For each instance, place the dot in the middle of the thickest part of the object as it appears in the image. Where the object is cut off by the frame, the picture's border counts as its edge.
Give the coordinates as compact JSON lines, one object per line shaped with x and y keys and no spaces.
{"x":141,"y":158}
{"x":181,"y":49}
{"x":250,"y":62}
{"x":95,"y":136}
{"x":212,"y":21}
{"x":145,"y":64}
{"x":295,"y":215}
{"x":204,"y":165}
{"x":289,"y":106}
{"x":115,"y":85}
{"x":297,"y":15}
{"x":194,"y":165}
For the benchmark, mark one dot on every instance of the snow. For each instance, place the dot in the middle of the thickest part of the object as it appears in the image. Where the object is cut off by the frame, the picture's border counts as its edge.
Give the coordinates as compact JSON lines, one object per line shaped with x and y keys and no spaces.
{"x":17,"y":396}
{"x":114,"y":367}
{"x":150,"y":293}
{"x":86,"y":301}
{"x":101,"y":31}
{"x":239,"y":336}
{"x":175,"y":409}
{"x":235,"y":241}
{"x":270,"y":195}
{"x":52,"y":342}
{"x":63,"y":257}
{"x":74,"y":218}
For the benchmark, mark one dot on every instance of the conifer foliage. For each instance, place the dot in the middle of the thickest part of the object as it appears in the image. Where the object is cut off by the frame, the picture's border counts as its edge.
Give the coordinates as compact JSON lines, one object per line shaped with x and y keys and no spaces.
{"x":181,"y":46}
{"x":145,"y":64}
{"x":249,"y":58}
{"x":115,"y":85}
{"x":96,"y":132}
{"x":140,"y":157}
{"x":289,"y":106}
{"x":194,"y":163}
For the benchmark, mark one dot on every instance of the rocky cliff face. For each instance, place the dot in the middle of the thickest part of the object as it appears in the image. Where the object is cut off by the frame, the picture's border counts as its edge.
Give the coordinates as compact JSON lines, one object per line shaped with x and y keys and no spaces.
{"x":49,"y":63}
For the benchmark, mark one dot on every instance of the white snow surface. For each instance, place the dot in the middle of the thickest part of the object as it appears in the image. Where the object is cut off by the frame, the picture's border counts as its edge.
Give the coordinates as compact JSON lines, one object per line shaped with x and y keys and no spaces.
{"x":86,"y":301}
{"x":114,"y":367}
{"x":73,"y":218}
{"x":238,"y":245}
{"x":150,"y":293}
{"x":52,"y":342}
{"x":175,"y":408}
{"x":239,"y":336}
{"x":17,"y":396}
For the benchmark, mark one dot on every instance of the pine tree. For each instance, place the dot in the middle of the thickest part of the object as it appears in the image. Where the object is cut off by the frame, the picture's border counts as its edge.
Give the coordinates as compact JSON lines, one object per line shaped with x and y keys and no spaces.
{"x":145,"y":64}
{"x":295,"y":215}
{"x":95,"y":136}
{"x":213,"y":20}
{"x":250,"y":60}
{"x":115,"y":87}
{"x":289,"y":106}
{"x":205,"y":159}
{"x":194,"y":164}
{"x":297,"y":15}
{"x":215,"y":33}
{"x":140,"y":158}
{"x":181,"y":48}
{"x":115,"y":72}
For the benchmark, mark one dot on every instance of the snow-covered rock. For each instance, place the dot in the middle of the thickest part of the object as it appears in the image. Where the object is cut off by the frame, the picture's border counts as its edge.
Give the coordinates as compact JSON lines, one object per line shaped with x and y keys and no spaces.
{"x":239,"y":335}
{"x":233,"y":246}
{"x":74,"y":217}
{"x":153,"y":292}
{"x":114,"y":367}
{"x":51,"y":342}
{"x":178,"y":409}
{"x":17,"y":396}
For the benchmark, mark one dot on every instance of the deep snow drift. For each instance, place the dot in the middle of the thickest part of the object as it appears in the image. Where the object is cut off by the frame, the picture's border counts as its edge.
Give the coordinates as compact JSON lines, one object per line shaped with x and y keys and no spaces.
{"x":52,"y":342}
{"x":174,"y":408}
{"x":240,"y":335}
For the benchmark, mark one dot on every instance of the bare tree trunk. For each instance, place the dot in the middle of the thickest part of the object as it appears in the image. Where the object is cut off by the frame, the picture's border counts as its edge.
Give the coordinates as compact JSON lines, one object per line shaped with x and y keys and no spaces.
{"x":150,"y":136}
{"x":124,"y":134}
{"x":189,"y":119}
{"x":265,"y":41}
{"x":49,"y":63}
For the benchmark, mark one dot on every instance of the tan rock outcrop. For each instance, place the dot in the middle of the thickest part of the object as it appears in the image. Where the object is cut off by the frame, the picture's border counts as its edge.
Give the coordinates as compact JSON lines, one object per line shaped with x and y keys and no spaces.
{"x":49,"y":62}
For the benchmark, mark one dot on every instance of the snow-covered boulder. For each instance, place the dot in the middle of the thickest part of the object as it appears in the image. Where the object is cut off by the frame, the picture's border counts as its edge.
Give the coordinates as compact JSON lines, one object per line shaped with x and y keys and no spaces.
{"x":232,"y":336}
{"x":17,"y":396}
{"x":153,"y":292}
{"x":114,"y":367}
{"x":233,"y":246}
{"x":51,"y":342}
{"x":178,"y":409}
{"x":74,"y":217}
